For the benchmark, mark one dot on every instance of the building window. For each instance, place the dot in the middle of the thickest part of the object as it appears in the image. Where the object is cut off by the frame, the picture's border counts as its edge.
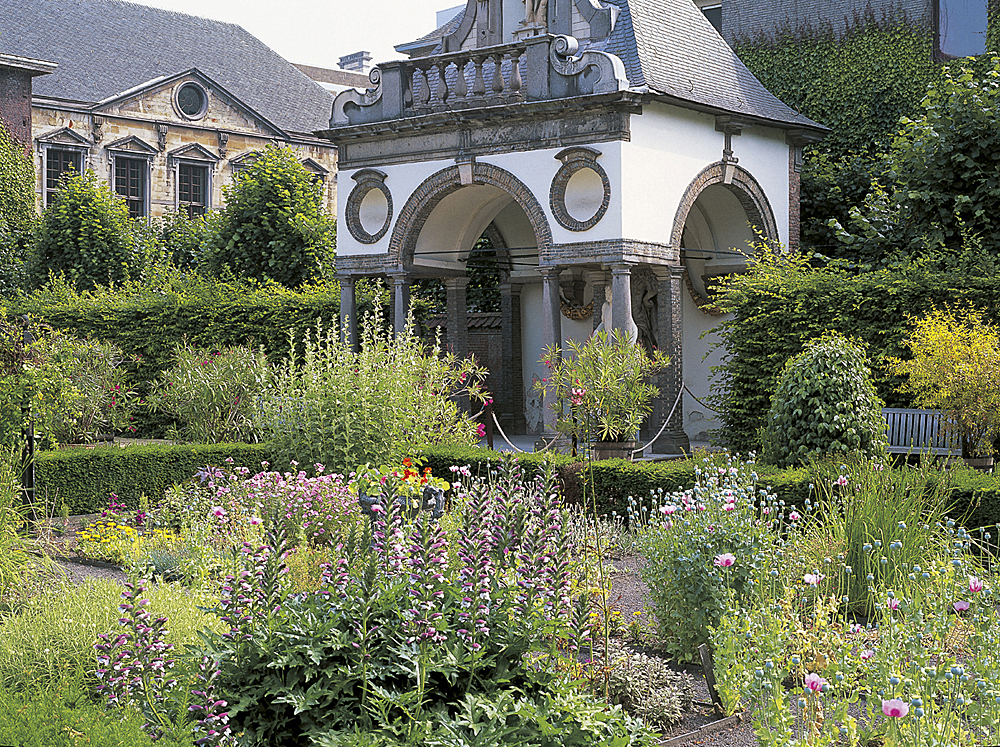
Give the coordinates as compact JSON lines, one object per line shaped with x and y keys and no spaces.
{"x":130,"y":183}
{"x":191,"y":100}
{"x":192,"y":189}
{"x":713,"y":12}
{"x":961,"y":28}
{"x":57,"y":163}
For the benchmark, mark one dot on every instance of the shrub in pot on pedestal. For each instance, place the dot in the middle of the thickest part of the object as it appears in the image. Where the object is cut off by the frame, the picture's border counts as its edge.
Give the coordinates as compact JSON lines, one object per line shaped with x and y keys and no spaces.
{"x":600,"y":391}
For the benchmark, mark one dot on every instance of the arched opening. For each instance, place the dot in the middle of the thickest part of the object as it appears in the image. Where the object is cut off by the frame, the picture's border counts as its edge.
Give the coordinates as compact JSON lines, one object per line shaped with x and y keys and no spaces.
{"x":474,"y":248}
{"x":714,"y":228}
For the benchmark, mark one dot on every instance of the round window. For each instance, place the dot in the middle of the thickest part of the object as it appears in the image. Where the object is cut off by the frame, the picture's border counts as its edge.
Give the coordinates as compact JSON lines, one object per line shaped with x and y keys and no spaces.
{"x":191,"y":100}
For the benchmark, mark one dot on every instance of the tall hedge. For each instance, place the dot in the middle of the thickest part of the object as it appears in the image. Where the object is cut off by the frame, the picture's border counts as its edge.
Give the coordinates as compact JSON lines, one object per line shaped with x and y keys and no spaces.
{"x":782,"y":302}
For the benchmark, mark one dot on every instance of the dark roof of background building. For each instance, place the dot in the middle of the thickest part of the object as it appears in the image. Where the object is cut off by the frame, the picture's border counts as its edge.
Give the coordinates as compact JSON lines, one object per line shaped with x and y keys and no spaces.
{"x":105,"y":47}
{"x":335,"y":76}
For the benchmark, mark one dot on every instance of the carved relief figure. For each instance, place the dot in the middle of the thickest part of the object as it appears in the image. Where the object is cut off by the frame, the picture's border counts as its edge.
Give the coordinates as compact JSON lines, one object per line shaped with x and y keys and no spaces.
{"x":644,"y":307}
{"x":536,"y":11}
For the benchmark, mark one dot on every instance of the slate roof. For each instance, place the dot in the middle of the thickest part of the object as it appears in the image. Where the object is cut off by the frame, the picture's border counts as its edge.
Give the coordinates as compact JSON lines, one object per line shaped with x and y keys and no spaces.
{"x":105,"y":47}
{"x":671,"y":48}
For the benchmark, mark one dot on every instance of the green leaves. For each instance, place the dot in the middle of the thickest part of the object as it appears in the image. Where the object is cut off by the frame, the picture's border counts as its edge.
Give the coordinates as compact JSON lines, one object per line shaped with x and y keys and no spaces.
{"x":825,"y":402}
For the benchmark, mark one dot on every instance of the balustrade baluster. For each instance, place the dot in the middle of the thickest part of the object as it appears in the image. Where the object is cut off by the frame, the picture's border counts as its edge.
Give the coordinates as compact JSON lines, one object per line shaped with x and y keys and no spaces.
{"x":478,"y":83}
{"x":515,"y":73}
{"x":461,"y":87}
{"x":442,"y":89}
{"x":425,"y":88}
{"x":497,"y":74}
{"x":407,"y":87}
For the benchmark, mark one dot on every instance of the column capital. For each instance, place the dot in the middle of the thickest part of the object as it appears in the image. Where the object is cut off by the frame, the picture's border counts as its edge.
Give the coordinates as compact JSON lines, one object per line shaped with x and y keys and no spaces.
{"x":457,"y":281}
{"x":622,"y":268}
{"x":548,"y":271}
{"x":665,"y":272}
{"x":346,"y":279}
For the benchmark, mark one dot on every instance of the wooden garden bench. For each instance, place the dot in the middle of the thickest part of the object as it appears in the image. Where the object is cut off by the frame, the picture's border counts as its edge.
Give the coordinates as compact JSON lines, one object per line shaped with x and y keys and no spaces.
{"x":919,"y":431}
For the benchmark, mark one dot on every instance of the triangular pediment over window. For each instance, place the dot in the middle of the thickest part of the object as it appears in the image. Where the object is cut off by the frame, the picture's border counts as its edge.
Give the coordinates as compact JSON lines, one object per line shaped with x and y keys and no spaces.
{"x":132,"y":144}
{"x":315,"y":167}
{"x":193,"y":152}
{"x":64,"y":136}
{"x":243,"y":160}
{"x":215,"y":103}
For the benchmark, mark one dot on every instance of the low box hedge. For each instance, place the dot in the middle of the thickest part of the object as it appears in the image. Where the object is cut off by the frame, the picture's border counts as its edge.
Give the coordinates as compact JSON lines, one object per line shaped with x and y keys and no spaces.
{"x":85,"y":478}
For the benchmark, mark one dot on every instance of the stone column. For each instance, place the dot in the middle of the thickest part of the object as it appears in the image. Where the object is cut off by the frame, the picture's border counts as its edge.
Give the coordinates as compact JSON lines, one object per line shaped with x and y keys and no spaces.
{"x":621,"y":298}
{"x":510,"y":391}
{"x":348,"y":311}
{"x":457,"y":315}
{"x":551,"y":330}
{"x":598,"y":280}
{"x":669,"y":303}
{"x":400,"y":301}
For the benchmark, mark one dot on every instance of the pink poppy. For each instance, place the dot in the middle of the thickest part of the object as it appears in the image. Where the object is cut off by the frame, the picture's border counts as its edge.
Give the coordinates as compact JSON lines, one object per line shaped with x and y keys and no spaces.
{"x":814,"y":682}
{"x":895,"y":708}
{"x":975,"y":584}
{"x":960,"y":606}
{"x":725,"y":560}
{"x":813,"y":579}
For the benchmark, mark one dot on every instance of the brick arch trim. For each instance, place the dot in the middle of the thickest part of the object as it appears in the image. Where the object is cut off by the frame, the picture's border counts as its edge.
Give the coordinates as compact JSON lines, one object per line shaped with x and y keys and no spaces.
{"x":744,"y":187}
{"x":436,"y":187}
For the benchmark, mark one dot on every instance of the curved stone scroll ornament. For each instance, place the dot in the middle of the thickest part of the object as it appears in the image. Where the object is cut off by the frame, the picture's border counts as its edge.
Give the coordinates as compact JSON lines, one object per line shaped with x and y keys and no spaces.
{"x":356,"y":98}
{"x":367,"y":181}
{"x":610,"y":70}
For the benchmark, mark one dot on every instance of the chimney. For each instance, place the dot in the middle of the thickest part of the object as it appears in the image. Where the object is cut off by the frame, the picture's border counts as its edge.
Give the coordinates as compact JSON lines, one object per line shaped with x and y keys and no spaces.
{"x":357,"y":62}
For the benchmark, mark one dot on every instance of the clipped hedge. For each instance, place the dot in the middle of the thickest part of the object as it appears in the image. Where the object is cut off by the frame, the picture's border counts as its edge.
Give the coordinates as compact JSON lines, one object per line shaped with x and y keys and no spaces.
{"x":84,"y":478}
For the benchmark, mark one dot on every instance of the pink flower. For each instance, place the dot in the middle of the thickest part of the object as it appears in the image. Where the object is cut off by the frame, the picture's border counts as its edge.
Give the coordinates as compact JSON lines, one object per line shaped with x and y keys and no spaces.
{"x":255,"y":521}
{"x":975,"y":584}
{"x":725,"y":560}
{"x":895,"y":708}
{"x":794,"y":516}
{"x":813,"y":579}
{"x":960,"y":606}
{"x":867,"y":654}
{"x":669,"y":509}
{"x":893,"y":603}
{"x":814,"y":682}
{"x":841,"y":481}
{"x":729,"y":507}
{"x":480,"y":430}
{"x":218,"y":512}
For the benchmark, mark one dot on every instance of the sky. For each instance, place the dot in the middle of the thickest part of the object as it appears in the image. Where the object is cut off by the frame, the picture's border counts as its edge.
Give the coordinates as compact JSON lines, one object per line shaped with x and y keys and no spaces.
{"x":320,"y":32}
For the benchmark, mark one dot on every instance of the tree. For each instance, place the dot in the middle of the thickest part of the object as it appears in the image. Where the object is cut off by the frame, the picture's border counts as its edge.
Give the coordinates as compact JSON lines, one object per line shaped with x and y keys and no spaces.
{"x":273,"y":224}
{"x":86,"y":235}
{"x":956,"y":369}
{"x":941,"y":196}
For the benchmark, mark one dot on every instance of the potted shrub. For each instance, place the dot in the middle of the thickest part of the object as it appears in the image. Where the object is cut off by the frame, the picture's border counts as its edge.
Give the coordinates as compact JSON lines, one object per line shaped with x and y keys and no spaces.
{"x":955,"y":369}
{"x":600,"y":391}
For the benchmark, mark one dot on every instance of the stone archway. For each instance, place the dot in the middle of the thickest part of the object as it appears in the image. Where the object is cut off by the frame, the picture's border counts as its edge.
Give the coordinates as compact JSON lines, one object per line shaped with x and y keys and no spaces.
{"x":435,"y":188}
{"x":743,"y":186}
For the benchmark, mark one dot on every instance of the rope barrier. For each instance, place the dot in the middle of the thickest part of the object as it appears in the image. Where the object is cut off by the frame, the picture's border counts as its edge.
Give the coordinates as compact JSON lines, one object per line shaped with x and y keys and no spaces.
{"x":522,"y":451}
{"x":664,"y":426}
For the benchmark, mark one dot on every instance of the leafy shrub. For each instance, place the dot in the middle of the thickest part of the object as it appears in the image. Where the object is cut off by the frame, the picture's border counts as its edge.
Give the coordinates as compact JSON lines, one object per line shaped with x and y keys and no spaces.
{"x":88,"y":391}
{"x":85,"y":235}
{"x":940,"y":187}
{"x":645,"y":686}
{"x":825,"y":403}
{"x":956,"y":369}
{"x":683,"y":538}
{"x":17,"y":212}
{"x":184,"y":238}
{"x":272,"y":225}
{"x":213,"y":394}
{"x":55,"y":633}
{"x":339,"y":408}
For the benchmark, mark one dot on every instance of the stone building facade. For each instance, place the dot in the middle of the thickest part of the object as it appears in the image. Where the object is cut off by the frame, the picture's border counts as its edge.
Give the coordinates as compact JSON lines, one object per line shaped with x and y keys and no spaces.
{"x":618,"y":156}
{"x":166,"y":107}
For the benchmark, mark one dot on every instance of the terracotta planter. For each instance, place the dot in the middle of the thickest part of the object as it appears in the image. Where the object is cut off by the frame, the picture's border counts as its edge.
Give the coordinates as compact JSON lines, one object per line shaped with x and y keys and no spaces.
{"x":612,"y":450}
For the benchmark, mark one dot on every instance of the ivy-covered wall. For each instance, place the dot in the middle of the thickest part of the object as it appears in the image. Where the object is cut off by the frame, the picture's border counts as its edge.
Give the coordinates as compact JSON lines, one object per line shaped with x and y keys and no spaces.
{"x":859,"y":82}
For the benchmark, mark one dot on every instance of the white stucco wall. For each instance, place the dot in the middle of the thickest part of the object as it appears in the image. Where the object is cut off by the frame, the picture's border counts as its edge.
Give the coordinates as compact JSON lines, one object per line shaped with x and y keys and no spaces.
{"x":670,"y":146}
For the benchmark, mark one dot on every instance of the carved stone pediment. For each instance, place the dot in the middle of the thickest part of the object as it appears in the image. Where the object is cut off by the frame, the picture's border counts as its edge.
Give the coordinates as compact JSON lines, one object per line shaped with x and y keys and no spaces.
{"x":193,"y":152}
{"x":64,"y":136}
{"x":132,"y":145}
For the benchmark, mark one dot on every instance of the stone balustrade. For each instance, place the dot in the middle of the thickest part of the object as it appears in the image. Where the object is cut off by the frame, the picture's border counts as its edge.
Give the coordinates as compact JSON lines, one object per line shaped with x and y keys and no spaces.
{"x":535,"y":69}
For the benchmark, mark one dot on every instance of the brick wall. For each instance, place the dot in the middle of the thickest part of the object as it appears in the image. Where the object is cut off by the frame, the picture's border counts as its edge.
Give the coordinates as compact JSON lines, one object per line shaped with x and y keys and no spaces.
{"x":753,"y":18}
{"x":15,"y":104}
